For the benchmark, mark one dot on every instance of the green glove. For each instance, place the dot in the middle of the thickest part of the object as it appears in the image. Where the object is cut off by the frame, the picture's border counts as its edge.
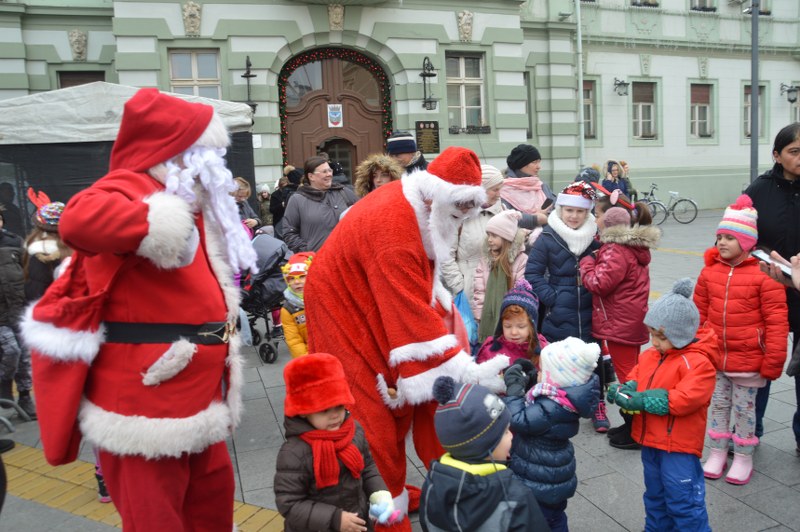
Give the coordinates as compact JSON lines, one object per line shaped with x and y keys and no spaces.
{"x":653,"y":401}
{"x":615,"y":388}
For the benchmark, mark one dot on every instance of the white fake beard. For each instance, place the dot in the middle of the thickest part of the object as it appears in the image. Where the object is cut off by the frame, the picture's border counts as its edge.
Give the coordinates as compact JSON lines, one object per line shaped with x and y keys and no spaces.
{"x":206,"y":166}
{"x":444,"y":221}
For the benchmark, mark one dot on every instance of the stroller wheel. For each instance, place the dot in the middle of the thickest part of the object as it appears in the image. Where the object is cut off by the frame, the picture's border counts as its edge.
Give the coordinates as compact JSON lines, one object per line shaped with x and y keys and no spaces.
{"x":267,"y":353}
{"x":256,"y":337}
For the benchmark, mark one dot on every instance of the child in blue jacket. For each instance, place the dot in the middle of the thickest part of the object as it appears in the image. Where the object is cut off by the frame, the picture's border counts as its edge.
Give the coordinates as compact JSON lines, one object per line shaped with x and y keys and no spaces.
{"x":544,"y":418}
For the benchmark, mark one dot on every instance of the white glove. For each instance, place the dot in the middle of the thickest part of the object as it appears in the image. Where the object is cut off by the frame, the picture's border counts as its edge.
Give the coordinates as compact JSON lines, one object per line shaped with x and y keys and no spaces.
{"x":381,"y":508}
{"x":489,"y":373}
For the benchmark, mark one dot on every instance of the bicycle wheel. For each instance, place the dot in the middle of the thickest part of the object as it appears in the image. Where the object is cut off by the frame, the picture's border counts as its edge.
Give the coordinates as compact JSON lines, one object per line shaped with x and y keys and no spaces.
{"x":684,"y":211}
{"x":658,"y":211}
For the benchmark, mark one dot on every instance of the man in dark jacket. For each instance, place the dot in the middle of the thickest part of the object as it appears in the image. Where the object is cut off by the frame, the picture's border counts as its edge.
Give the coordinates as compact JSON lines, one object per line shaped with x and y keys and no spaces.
{"x":403,"y":148}
{"x":12,"y":302}
{"x":470,"y":488}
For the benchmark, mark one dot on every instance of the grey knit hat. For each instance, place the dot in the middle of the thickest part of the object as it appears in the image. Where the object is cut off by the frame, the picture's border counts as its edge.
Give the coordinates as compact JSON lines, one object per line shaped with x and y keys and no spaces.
{"x":470,"y":420}
{"x":675,"y":314}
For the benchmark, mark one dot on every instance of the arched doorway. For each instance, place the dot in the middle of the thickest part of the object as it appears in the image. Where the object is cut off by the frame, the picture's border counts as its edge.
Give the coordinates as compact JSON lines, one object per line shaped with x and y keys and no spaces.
{"x":316,"y":85}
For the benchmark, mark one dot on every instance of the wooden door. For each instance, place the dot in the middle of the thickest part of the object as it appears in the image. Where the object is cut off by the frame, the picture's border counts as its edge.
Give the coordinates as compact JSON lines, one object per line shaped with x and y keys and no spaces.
{"x":309,"y":91}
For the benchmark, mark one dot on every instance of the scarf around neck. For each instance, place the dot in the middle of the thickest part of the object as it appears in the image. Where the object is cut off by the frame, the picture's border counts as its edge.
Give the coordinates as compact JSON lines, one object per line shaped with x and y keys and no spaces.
{"x":330,"y":446}
{"x":523,"y":193}
{"x":496,"y":288}
{"x":577,"y":240}
{"x":294,"y":298}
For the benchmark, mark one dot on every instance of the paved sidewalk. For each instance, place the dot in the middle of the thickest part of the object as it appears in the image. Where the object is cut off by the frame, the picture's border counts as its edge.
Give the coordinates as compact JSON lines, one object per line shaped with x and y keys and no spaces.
{"x":610,"y":487}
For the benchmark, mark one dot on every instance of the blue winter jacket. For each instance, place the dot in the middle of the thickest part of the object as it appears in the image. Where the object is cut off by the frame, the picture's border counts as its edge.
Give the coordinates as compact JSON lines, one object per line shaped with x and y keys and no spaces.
{"x":554,"y":275}
{"x":541,"y":454}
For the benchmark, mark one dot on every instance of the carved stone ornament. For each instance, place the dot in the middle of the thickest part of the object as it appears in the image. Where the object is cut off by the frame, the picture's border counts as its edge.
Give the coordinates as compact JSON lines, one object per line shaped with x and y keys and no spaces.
{"x":465,"y":25}
{"x":191,"y":18}
{"x":77,"y":43}
{"x":644,"y":61}
{"x":702,"y":67}
{"x":702,"y":29}
{"x":336,"y":17}
{"x":645,"y":23}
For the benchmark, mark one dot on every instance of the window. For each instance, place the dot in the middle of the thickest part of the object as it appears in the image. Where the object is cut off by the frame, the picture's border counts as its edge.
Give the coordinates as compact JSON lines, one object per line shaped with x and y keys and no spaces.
{"x":195,"y":73}
{"x":465,"y":92}
{"x":747,"y":101}
{"x":700,"y":121}
{"x":644,"y":110}
{"x":589,"y":110}
{"x":703,"y":5}
{"x":72,"y":79}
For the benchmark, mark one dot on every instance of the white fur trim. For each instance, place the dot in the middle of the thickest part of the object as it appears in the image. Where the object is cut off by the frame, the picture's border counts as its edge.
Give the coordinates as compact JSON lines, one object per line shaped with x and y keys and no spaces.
{"x":154,"y":438}
{"x":233,"y":396}
{"x":421,"y":350}
{"x":215,"y":135}
{"x":440,"y":293}
{"x":572,"y":200}
{"x":577,"y":240}
{"x":172,"y":362}
{"x":419,"y":388}
{"x":170,"y":224}
{"x":401,"y":503}
{"x":60,"y":343}
{"x":383,"y":390}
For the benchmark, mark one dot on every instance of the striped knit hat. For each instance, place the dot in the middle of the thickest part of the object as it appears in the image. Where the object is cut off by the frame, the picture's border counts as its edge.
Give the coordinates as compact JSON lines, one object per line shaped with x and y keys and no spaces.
{"x":740,"y":221}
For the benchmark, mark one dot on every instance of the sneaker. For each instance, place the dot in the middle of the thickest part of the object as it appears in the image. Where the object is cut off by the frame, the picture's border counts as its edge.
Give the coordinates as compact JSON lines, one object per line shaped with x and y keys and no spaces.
{"x":277,"y":332}
{"x":25,"y":402}
{"x":102,"y":491}
{"x":600,"y":419}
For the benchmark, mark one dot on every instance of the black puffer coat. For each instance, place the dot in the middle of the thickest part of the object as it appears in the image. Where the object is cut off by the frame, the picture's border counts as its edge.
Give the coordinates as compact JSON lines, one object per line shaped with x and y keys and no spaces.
{"x":541,"y":453}
{"x":12,"y":279}
{"x":302,"y":505}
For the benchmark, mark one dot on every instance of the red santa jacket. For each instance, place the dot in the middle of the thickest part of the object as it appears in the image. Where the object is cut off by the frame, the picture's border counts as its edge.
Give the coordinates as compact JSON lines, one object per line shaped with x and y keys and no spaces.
{"x":374,"y":300}
{"x":689,"y":377}
{"x":153,"y":400}
{"x":748,"y":312}
{"x":619,"y":280}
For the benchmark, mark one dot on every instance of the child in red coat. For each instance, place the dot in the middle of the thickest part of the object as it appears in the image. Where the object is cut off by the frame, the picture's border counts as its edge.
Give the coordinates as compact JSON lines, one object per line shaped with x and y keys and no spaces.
{"x":618,"y":277}
{"x":748,"y":312}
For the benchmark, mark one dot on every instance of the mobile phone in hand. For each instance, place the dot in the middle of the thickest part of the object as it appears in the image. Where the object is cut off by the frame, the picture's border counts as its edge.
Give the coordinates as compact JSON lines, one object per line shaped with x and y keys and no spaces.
{"x":546,"y":204}
{"x":763,"y":256}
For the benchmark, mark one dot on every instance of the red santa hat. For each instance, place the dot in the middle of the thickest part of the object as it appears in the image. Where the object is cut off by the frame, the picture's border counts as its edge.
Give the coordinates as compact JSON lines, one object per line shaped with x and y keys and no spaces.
{"x":298,"y":264}
{"x":155,"y":128}
{"x":579,"y":194}
{"x":459,"y":172}
{"x":315,"y":383}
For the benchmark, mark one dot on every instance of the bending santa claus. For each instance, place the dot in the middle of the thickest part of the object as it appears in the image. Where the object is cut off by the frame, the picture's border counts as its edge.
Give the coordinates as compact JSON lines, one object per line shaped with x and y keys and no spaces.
{"x":132,"y":346}
{"x":374,"y":300}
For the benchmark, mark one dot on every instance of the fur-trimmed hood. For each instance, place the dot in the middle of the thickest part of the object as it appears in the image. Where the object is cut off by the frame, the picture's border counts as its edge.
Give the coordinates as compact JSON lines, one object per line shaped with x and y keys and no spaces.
{"x":643,"y":236}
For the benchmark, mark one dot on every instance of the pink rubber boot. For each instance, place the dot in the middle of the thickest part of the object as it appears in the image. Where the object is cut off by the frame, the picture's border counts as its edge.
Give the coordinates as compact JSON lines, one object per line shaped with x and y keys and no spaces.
{"x":741,"y":469}
{"x":715,"y":465}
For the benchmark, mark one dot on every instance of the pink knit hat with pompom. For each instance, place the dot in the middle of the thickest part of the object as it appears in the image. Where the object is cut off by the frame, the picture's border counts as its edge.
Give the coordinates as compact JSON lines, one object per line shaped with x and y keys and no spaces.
{"x":740,"y":221}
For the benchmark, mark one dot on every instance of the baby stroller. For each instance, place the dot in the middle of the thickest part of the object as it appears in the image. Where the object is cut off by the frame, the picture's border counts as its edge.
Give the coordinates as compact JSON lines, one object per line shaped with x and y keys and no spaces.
{"x":263,"y":292}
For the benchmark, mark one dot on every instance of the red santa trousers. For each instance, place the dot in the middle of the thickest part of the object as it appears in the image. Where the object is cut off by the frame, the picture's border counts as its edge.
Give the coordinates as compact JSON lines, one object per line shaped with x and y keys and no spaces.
{"x":190,"y":493}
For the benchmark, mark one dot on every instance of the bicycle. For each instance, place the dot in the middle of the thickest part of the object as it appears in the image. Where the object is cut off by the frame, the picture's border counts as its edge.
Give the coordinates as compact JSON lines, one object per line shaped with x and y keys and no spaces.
{"x":684,"y":210}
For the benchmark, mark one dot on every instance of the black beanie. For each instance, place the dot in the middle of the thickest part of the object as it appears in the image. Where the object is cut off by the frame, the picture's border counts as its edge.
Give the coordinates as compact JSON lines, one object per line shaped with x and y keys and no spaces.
{"x":295,"y":176}
{"x":521,"y":156}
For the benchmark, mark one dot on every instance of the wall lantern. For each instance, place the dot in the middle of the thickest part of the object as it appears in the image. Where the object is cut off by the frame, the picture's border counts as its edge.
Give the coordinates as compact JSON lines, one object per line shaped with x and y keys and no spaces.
{"x":428,"y":101}
{"x":248,"y":76}
{"x":790,"y":91}
{"x":621,"y":86}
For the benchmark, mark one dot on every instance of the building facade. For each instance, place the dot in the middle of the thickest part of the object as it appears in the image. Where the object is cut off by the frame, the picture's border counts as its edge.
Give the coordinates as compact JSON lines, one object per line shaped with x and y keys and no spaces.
{"x":489,"y":75}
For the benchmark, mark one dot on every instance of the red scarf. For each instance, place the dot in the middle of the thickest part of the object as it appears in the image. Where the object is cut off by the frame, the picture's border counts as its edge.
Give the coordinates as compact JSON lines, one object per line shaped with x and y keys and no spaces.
{"x":327,"y":446}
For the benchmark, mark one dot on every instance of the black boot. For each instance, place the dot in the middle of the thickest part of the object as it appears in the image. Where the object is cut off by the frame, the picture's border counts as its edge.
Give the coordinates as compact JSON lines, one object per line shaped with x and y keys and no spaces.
{"x":6,"y":445}
{"x":6,"y":390}
{"x":25,"y":402}
{"x":623,"y":439}
{"x":627,"y":419}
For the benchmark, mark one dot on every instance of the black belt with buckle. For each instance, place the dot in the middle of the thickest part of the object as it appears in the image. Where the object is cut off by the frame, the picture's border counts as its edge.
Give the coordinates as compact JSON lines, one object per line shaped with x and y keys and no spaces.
{"x":213,"y":333}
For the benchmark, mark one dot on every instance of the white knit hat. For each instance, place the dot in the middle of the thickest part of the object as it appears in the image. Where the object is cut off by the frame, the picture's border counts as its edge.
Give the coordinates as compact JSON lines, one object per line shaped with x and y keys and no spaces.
{"x":569,"y":362}
{"x":490,"y":176}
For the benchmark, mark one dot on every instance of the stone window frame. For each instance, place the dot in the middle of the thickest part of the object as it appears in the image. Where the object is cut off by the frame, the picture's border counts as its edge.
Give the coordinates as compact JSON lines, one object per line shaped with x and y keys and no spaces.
{"x":195,"y":82}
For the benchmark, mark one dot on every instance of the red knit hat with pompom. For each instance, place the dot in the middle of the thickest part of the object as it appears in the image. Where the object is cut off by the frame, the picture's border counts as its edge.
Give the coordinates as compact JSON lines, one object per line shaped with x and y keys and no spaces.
{"x":315,"y":383}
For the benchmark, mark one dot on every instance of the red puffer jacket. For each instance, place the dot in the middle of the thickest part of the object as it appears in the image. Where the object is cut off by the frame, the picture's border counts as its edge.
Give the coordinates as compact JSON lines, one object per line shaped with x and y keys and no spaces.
{"x":748,"y":312}
{"x":619,"y":280}
{"x":689,"y":377}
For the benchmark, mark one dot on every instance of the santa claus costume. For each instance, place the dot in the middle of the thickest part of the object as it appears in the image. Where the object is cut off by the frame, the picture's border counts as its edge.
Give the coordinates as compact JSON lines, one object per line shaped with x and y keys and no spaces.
{"x":374,"y":300}
{"x":148,"y":371}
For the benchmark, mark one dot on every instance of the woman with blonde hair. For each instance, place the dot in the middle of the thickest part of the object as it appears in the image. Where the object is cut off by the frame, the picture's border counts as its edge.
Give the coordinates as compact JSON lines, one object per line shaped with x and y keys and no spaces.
{"x":246,"y":212}
{"x":374,"y":171}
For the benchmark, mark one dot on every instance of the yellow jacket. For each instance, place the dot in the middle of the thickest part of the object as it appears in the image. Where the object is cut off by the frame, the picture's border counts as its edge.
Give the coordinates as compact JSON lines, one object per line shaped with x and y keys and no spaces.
{"x":294,"y":330}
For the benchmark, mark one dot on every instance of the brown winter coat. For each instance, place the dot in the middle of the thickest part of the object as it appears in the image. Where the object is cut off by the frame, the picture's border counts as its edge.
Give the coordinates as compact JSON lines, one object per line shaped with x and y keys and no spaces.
{"x":303,"y":506}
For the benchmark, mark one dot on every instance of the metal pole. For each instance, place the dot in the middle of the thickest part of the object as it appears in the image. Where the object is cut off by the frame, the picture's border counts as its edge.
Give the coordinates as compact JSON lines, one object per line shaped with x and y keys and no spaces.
{"x":754,"y":125}
{"x":581,"y":117}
